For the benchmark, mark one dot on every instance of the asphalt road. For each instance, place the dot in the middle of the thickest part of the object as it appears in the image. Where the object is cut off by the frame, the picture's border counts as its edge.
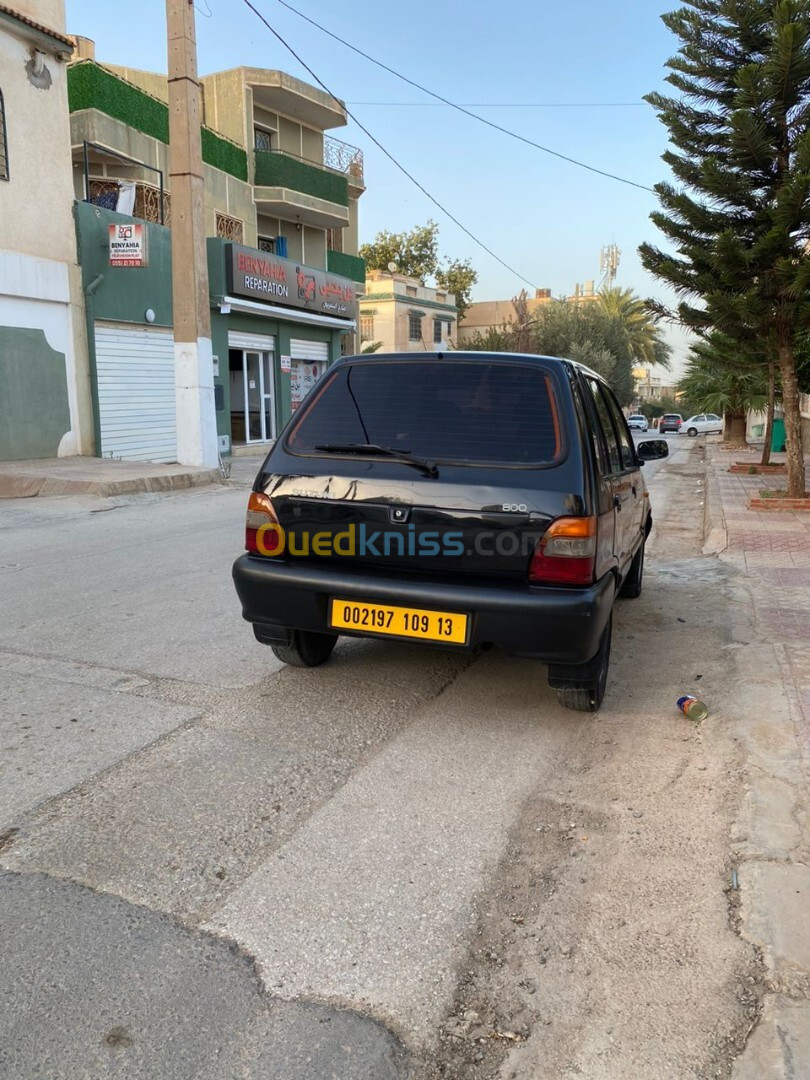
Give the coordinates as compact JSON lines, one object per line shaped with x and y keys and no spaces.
{"x":216,"y":866}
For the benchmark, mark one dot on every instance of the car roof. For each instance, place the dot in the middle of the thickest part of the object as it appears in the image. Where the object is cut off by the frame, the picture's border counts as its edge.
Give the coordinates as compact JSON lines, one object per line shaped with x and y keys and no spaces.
{"x":464,"y":354}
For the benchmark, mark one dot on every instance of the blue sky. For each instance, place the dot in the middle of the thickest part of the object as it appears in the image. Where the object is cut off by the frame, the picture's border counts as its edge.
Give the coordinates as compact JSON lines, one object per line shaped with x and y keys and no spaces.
{"x":546,"y":218}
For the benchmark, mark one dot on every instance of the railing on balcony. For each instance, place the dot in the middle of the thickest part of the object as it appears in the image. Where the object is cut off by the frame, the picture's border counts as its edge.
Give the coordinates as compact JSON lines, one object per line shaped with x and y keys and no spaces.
{"x":104,"y":192}
{"x":342,"y":157}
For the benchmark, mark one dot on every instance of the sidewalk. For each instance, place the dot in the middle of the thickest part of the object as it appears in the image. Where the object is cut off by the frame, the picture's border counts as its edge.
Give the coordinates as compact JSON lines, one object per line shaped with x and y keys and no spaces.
{"x":96,"y":476}
{"x":771,"y":842}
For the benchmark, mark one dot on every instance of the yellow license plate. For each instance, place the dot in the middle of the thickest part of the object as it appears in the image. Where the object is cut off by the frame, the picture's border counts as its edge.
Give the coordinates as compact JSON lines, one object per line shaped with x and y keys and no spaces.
{"x":402,"y":622}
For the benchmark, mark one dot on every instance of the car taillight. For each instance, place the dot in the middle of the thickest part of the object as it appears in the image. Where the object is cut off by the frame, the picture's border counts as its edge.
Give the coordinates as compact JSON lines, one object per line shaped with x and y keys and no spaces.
{"x":263,"y":534}
{"x":566,"y":553}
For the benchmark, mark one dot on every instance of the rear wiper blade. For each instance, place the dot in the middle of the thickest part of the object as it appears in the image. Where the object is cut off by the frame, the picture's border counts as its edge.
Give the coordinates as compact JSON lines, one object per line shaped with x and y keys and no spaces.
{"x":373,"y":450}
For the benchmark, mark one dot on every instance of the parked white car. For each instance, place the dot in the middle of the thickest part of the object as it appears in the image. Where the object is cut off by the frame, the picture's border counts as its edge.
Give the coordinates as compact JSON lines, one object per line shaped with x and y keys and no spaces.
{"x":702,"y":424}
{"x":638,"y":422}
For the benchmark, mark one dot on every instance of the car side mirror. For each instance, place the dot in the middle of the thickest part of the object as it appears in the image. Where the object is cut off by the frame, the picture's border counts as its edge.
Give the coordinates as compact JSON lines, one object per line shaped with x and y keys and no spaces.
{"x":651,"y":449}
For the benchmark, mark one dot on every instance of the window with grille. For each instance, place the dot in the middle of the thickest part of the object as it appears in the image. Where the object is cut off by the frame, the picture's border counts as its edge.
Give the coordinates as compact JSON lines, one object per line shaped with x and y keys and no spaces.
{"x":334,"y":239}
{"x":262,"y":139}
{"x":3,"y":141}
{"x":366,"y":327}
{"x":414,"y":328}
{"x":437,"y":330}
{"x":230,"y":228}
{"x":268,"y":244}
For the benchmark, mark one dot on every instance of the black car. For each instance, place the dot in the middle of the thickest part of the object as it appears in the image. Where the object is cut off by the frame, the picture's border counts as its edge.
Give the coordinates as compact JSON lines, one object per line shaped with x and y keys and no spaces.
{"x":461,"y":499}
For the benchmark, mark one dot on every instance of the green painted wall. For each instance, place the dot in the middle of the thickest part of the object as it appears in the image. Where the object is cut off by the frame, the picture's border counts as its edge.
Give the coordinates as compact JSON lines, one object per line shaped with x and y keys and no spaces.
{"x":31,"y":372}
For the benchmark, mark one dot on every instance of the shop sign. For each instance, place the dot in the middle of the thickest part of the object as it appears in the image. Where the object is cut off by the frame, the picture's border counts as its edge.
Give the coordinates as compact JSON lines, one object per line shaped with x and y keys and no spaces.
{"x":262,"y":276}
{"x":128,"y":245}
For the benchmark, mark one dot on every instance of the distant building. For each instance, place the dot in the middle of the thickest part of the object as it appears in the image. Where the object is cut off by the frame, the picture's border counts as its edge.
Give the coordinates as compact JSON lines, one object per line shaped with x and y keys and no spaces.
{"x":488,"y":315}
{"x":45,"y":404}
{"x":650,"y":389}
{"x":405,"y":316}
{"x":281,"y":199}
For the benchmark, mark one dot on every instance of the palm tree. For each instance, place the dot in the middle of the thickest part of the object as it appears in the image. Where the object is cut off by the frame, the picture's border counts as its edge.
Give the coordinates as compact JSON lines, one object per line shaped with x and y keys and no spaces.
{"x":646,"y":343}
{"x":716,"y":381}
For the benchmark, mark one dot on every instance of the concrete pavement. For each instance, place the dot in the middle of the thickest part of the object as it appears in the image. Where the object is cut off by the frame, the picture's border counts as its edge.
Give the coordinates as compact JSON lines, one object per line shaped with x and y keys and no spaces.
{"x":96,"y":476}
{"x":771,"y":838}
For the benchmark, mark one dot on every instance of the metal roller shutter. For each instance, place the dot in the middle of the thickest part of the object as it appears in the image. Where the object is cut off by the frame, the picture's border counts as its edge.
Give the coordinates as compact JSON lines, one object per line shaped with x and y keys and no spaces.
{"x":260,"y":342}
{"x":136,"y":395}
{"x":300,"y":349}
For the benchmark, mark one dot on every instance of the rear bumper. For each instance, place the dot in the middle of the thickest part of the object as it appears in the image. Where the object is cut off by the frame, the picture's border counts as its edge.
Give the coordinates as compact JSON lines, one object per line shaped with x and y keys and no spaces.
{"x":554,"y":625}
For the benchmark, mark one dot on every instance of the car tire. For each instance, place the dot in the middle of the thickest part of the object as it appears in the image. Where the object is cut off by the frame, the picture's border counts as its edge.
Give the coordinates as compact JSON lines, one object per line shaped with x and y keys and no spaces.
{"x":581,"y":687}
{"x":305,"y":649}
{"x":631,"y":586}
{"x":692,"y":432}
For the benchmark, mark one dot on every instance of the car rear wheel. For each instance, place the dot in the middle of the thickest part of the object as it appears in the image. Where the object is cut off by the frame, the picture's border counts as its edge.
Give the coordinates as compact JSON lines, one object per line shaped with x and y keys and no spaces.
{"x":692,"y":432}
{"x":582,"y":686}
{"x":306,"y":648}
{"x":631,"y":586}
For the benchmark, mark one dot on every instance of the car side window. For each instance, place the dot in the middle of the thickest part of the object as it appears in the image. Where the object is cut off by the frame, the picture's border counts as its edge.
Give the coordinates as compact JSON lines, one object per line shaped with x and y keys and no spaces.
{"x":606,"y":424}
{"x":628,"y":454}
{"x":593,"y":428}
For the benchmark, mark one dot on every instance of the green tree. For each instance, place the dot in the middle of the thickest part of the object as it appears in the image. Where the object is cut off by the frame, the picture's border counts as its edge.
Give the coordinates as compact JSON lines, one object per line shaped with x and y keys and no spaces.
{"x":738,"y":219}
{"x":416,"y":254}
{"x":458,"y":277}
{"x":581,"y":332}
{"x":646,"y":343}
{"x":715,"y":381}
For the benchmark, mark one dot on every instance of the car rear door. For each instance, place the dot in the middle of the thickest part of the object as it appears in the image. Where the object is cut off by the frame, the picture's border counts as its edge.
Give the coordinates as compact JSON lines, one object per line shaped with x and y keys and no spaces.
{"x":626,"y":488}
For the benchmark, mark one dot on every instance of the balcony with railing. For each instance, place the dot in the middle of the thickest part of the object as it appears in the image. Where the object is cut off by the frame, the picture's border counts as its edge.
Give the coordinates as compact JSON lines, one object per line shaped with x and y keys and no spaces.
{"x":292,"y":187}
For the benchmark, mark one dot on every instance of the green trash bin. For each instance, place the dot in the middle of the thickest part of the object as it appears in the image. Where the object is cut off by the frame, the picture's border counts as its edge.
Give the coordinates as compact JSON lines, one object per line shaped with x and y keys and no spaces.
{"x":778,"y":436}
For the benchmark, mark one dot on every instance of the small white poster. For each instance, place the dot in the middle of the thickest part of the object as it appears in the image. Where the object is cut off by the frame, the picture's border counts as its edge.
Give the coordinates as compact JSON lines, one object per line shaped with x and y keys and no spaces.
{"x":286,"y":363}
{"x":127,"y":245}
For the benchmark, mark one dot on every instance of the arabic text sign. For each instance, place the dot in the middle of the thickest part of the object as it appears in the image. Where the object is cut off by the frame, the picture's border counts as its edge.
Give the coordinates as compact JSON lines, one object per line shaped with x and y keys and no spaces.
{"x":128,"y":245}
{"x":263,"y":276}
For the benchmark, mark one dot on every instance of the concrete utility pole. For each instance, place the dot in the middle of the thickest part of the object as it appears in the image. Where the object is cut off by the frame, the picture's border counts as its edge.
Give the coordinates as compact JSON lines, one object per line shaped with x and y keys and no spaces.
{"x":193,"y":356}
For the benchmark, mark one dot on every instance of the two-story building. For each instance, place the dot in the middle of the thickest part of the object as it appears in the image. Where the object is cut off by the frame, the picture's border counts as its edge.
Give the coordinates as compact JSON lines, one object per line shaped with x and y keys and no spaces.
{"x":281,"y":201}
{"x":400,"y":314}
{"x":45,"y":403}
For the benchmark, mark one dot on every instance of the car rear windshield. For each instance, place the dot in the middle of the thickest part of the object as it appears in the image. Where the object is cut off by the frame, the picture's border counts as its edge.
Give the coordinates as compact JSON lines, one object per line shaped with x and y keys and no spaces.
{"x":443,"y":410}
{"x":671,"y":416}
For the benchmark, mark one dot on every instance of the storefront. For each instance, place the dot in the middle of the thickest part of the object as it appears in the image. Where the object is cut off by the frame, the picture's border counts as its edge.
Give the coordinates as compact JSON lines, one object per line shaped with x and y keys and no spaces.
{"x":280,"y":325}
{"x":275,"y":327}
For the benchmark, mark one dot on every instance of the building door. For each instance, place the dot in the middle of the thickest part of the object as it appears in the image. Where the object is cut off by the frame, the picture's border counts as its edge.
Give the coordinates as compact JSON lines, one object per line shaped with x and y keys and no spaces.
{"x":136,"y":393}
{"x":252,"y":382}
{"x":309,"y":360}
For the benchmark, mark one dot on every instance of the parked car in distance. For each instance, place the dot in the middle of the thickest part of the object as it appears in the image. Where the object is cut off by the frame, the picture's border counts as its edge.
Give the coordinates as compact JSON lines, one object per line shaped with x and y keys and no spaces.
{"x":637,"y":422}
{"x":464,"y":500}
{"x":702,"y":424}
{"x":670,"y":421}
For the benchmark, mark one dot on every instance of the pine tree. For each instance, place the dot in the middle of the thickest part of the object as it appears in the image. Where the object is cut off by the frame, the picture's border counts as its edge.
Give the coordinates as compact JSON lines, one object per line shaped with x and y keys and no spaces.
{"x":738,"y":219}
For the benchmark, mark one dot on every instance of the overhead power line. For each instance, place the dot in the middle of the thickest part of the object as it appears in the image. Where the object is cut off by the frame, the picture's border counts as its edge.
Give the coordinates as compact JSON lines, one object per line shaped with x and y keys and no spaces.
{"x":389,"y":155}
{"x":461,"y":108}
{"x":505,"y":104}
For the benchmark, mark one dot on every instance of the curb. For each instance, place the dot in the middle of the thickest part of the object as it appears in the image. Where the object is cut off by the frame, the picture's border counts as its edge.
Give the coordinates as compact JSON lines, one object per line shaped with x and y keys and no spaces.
{"x":27,"y":486}
{"x":715,"y":533}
